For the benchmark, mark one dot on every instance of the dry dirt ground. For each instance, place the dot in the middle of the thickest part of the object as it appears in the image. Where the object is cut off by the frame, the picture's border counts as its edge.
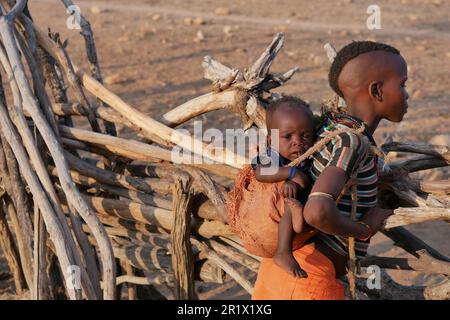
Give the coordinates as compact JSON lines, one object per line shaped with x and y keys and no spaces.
{"x":151,"y":53}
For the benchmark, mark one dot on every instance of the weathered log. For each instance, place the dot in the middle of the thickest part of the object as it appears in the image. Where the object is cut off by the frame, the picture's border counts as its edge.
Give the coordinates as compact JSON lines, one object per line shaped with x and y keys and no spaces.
{"x":418,"y":147}
{"x":168,"y":171}
{"x":19,"y":217}
{"x":10,"y":251}
{"x":73,"y":145}
{"x":211,"y":255}
{"x":391,"y":290}
{"x":182,"y":258}
{"x":238,"y":101}
{"x":235,"y":255}
{"x":410,"y":243}
{"x":236,"y":243}
{"x":441,"y":187}
{"x":136,"y":150}
{"x":198,"y":106}
{"x":424,"y":264}
{"x":405,"y":216}
{"x":439,"y":291}
{"x":145,"y":257}
{"x":418,"y":163}
{"x":131,"y":287}
{"x":210,"y":189}
{"x":115,"y":179}
{"x":40,"y":282}
{"x":207,"y":271}
{"x":205,"y":210}
{"x":151,"y":215}
{"x":104,"y":113}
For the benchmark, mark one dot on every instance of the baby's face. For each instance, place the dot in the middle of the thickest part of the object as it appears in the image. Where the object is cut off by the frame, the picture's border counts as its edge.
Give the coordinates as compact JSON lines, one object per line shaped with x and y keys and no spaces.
{"x":295,"y":131}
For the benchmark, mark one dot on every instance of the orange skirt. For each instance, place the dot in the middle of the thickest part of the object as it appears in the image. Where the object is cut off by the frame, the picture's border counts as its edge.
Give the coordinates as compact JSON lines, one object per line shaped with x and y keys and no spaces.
{"x":273,"y":283}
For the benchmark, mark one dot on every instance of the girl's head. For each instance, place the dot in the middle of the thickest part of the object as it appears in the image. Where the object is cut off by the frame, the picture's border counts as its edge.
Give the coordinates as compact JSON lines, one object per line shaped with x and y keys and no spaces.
{"x":372,"y":75}
{"x":290,"y":126}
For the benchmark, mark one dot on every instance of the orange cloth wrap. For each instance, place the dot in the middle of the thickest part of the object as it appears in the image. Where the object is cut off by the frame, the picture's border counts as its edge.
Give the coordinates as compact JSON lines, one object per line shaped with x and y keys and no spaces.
{"x":254,"y":209}
{"x":273,"y":283}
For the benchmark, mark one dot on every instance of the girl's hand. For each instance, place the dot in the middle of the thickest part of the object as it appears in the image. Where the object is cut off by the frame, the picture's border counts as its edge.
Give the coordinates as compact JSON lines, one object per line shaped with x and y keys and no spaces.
{"x":375,"y":218}
{"x":290,"y":189}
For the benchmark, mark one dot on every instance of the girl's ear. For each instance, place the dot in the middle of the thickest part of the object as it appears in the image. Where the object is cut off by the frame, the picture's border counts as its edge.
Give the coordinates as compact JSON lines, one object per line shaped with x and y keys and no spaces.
{"x":375,"y":90}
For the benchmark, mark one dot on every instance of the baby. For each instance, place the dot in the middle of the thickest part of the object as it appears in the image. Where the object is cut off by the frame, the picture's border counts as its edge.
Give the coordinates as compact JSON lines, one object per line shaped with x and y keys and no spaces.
{"x":265,"y":206}
{"x":291,"y":132}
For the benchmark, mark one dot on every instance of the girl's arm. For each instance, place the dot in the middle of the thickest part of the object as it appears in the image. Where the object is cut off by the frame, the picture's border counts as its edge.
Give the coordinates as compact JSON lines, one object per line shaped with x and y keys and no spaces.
{"x":323,"y":214}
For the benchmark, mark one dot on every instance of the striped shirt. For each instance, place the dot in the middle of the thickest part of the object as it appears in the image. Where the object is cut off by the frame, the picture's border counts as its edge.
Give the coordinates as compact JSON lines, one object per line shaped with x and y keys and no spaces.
{"x":347,"y":151}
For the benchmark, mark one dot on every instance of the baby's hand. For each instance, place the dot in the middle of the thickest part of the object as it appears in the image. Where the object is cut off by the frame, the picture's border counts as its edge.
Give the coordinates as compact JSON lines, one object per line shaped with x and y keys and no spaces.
{"x":301,"y":179}
{"x":290,"y":189}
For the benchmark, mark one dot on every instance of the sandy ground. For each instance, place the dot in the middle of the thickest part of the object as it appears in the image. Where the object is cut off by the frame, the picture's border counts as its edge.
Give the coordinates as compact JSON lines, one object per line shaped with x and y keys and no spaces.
{"x":151,"y":52}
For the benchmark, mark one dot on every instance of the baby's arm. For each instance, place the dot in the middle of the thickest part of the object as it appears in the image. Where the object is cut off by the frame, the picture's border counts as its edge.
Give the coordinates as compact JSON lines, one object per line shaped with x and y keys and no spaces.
{"x":281,"y":174}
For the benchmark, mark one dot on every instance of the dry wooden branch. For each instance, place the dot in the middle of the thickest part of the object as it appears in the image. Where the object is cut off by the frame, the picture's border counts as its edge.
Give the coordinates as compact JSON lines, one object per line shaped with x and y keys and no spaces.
{"x":66,"y":64}
{"x":410,"y":243}
{"x":440,"y":291}
{"x":441,"y":187}
{"x":136,"y":150}
{"x":56,"y":150}
{"x":151,"y":215}
{"x":20,"y":217}
{"x":405,"y":216}
{"x":145,"y":185}
{"x":105,"y":113}
{"x":91,"y":51}
{"x":233,"y":254}
{"x":206,"y":252}
{"x":40,"y":167}
{"x":418,"y":163}
{"x":9,"y":249}
{"x":424,"y":264}
{"x":210,"y":189}
{"x":198,"y":106}
{"x":182,"y":258}
{"x":50,"y":219}
{"x":40,"y":282}
{"x":391,"y":290}
{"x":418,"y":147}
{"x":38,"y":83}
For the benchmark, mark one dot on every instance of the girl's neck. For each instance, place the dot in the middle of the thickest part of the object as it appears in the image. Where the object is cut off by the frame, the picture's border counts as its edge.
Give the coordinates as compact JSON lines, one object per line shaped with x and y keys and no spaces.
{"x":366,"y":115}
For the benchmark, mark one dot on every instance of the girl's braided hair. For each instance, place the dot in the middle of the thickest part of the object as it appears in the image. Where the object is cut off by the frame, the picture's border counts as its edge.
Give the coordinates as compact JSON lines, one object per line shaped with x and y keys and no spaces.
{"x":349,"y":52}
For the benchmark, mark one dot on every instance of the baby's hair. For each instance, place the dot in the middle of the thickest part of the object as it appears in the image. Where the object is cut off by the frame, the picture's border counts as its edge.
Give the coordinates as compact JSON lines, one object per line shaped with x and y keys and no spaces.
{"x":290,"y":101}
{"x":349,"y":52}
